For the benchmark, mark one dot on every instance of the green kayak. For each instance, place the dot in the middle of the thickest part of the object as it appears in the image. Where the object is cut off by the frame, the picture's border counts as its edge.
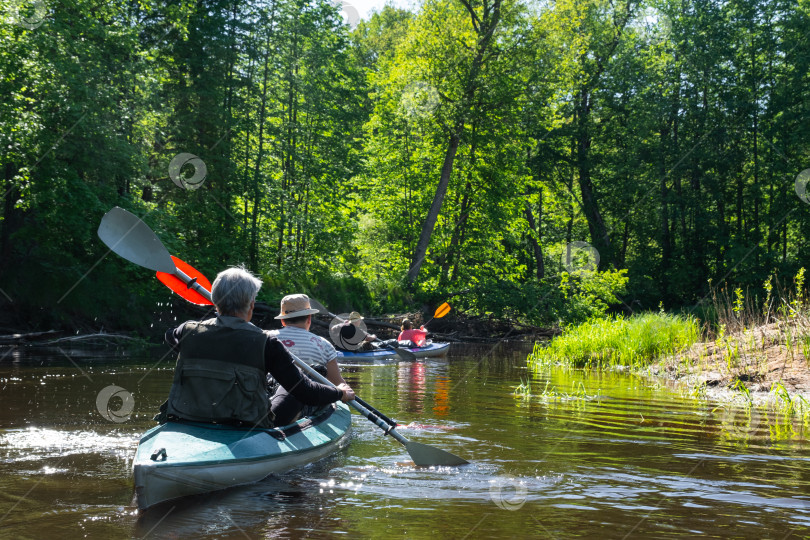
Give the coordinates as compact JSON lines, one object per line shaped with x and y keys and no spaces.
{"x":178,"y":459}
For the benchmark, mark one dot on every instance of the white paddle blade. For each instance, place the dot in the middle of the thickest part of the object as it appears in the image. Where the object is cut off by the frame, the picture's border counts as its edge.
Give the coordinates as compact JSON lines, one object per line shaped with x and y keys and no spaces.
{"x":132,"y":239}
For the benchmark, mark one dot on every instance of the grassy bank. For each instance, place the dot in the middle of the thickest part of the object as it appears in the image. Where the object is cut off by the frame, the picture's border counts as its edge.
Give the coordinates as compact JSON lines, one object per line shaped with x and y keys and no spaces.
{"x":754,"y":363}
{"x":636,"y":341}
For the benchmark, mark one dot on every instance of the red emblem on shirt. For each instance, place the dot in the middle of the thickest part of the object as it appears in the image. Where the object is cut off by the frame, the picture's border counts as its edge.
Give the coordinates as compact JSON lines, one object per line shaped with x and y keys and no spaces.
{"x":288,"y":342}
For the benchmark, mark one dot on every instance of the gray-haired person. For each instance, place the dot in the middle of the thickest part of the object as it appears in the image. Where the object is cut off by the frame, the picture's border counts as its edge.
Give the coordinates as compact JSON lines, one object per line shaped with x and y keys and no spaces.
{"x":223,"y":362}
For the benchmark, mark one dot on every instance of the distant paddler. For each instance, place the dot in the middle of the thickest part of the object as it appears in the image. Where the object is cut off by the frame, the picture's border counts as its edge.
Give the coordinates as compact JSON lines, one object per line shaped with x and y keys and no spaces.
{"x":417,"y":336}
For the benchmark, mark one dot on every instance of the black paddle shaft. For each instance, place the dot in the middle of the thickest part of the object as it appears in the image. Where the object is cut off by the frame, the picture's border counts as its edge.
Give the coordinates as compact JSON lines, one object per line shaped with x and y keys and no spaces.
{"x":392,"y":423}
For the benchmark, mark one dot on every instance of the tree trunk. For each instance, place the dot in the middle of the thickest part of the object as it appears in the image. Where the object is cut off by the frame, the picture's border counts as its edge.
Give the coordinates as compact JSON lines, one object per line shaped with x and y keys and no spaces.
{"x":535,"y":231}
{"x":755,"y":187}
{"x":583,"y":104}
{"x":9,"y":215}
{"x":454,"y":238}
{"x":462,"y":233}
{"x":289,"y":157}
{"x":435,"y":208}
{"x":484,"y":26}
{"x":675,"y":151}
{"x":625,"y":239}
{"x":254,"y":231}
{"x":666,"y":244}
{"x":590,"y":207}
{"x":669,"y":145}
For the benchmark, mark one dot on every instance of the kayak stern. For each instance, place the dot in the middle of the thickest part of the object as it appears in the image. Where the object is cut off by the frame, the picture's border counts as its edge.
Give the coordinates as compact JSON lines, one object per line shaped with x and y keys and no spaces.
{"x":178,"y":459}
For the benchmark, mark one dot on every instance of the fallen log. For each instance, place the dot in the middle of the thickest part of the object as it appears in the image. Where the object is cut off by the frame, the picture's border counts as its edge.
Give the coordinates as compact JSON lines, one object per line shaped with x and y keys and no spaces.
{"x":375,"y":322}
{"x":101,"y":336}
{"x":20,"y":339}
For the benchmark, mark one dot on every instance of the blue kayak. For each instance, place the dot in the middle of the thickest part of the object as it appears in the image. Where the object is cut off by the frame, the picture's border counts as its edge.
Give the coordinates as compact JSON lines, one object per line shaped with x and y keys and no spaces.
{"x":429,"y":350}
{"x":178,"y":459}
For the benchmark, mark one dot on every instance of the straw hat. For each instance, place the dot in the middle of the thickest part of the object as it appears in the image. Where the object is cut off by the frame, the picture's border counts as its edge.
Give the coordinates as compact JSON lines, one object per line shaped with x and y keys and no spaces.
{"x":295,"y":305}
{"x":354,"y":316}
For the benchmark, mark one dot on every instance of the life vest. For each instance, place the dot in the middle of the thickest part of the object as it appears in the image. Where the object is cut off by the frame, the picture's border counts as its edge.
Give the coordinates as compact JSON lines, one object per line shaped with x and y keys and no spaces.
{"x":414,"y":334}
{"x":220,"y":374}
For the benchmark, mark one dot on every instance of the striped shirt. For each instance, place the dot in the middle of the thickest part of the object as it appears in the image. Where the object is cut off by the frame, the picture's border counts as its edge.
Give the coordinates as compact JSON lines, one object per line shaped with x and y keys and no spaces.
{"x":312,"y":349}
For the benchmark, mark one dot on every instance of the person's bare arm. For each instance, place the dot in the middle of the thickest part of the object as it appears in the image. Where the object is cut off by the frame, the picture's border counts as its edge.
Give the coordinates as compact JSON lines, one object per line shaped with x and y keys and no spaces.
{"x":333,"y":373}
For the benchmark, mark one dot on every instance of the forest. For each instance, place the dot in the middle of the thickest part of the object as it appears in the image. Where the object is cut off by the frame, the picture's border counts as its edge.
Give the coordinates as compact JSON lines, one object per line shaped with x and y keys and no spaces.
{"x":543,"y":161}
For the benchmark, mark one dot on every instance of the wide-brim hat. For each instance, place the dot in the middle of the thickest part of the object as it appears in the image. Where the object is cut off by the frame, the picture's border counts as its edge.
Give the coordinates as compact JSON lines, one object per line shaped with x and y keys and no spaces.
{"x":354,"y":316}
{"x":295,"y":305}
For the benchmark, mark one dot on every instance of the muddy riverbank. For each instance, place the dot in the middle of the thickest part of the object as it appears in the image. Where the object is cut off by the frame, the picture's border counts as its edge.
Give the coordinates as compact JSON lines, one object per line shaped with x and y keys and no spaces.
{"x":754,"y":362}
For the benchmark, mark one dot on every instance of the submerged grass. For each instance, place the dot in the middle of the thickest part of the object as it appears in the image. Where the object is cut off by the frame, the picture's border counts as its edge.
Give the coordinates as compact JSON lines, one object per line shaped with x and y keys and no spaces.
{"x":524,"y":389}
{"x":636,"y":341}
{"x":551,"y":393}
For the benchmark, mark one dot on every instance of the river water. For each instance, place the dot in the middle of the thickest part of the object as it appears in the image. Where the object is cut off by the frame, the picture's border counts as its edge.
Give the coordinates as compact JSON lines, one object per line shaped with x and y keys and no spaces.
{"x":587,"y":454}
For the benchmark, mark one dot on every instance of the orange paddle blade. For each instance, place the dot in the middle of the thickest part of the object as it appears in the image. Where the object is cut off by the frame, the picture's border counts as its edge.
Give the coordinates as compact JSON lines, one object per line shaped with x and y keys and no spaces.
{"x":442,"y":310}
{"x":177,"y":285}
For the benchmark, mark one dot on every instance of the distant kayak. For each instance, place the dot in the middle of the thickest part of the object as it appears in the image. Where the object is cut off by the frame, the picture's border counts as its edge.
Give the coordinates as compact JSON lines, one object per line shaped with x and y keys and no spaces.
{"x":430,"y":350}
{"x":178,"y":459}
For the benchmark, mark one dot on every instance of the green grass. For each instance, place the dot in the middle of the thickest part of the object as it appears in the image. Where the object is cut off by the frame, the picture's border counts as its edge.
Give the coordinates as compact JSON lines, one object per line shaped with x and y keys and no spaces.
{"x":524,"y":389}
{"x":635,"y":341}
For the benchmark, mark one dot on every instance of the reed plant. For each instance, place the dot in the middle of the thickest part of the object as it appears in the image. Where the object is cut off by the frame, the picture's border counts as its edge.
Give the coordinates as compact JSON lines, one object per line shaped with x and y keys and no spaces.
{"x":795,"y":406}
{"x":524,"y":389}
{"x":744,"y":392}
{"x":578,"y":393}
{"x":635,"y":341}
{"x":732,"y":312}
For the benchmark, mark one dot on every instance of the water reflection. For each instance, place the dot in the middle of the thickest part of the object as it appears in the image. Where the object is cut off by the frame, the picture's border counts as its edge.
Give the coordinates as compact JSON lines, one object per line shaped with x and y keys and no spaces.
{"x":411,"y":384}
{"x":441,"y":398}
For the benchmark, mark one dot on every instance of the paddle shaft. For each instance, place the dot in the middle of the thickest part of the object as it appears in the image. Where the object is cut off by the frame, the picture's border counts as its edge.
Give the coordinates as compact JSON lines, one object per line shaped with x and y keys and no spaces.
{"x":387,"y":420}
{"x":192,"y":283}
{"x":439,"y":313}
{"x":389,"y":429}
